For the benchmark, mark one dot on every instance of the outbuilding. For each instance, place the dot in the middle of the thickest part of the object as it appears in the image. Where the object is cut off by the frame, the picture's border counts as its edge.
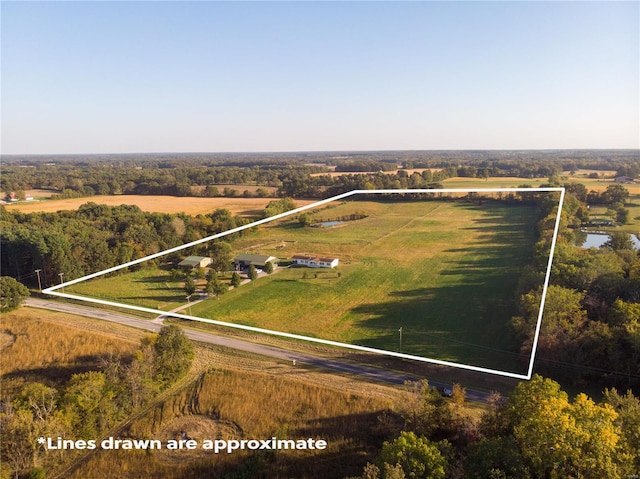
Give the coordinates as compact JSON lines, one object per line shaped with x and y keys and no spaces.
{"x":193,"y":262}
{"x":245,"y":260}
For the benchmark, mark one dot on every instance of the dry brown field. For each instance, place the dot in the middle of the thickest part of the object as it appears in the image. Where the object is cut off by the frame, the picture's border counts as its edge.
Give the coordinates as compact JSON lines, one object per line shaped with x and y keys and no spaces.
{"x":156,"y":204}
{"x":41,"y":193}
{"x":47,"y":346}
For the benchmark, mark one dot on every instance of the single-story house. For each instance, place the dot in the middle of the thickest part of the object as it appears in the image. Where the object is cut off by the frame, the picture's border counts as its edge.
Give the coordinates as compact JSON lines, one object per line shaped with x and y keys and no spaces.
{"x":244,"y":260}
{"x":193,"y":262}
{"x":314,"y":261}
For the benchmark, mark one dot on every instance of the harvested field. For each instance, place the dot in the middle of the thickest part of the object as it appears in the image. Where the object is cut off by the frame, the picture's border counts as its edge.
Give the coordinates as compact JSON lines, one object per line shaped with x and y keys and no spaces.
{"x":157,"y":204}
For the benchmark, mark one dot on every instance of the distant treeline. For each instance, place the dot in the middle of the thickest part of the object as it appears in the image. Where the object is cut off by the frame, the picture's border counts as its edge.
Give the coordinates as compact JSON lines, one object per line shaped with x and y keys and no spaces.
{"x":291,"y":173}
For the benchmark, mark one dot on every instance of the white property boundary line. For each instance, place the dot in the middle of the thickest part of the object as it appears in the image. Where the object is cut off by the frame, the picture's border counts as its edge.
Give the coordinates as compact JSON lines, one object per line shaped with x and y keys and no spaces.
{"x":53,"y":290}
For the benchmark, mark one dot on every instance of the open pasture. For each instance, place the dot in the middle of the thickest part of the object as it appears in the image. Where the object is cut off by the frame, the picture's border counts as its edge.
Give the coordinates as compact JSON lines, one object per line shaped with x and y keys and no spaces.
{"x":444,"y":272}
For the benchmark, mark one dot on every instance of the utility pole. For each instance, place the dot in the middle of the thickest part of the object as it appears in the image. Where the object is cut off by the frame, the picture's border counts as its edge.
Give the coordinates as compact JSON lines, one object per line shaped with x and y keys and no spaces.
{"x":189,"y":304}
{"x":61,"y":275}
{"x":400,"y":331}
{"x":39,"y":283}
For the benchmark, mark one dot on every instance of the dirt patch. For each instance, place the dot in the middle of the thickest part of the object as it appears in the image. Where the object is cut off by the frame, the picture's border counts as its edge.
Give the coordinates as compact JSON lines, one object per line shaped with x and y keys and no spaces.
{"x":199,"y":428}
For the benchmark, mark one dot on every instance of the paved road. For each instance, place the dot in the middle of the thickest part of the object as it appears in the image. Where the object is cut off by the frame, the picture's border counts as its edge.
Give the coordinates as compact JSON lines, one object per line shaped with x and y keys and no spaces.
{"x":363,"y":372}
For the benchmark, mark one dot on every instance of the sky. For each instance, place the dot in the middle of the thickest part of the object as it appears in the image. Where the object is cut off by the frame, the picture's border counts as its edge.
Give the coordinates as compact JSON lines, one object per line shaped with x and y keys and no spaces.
{"x":136,"y":77}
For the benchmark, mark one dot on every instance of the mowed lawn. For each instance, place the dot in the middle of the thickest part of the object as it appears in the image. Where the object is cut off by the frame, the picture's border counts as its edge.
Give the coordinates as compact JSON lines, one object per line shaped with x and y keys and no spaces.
{"x":150,"y":287}
{"x":444,"y":272}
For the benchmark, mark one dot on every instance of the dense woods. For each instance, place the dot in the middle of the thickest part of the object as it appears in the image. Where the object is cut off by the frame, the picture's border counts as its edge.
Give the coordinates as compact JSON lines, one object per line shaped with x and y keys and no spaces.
{"x":591,"y":328}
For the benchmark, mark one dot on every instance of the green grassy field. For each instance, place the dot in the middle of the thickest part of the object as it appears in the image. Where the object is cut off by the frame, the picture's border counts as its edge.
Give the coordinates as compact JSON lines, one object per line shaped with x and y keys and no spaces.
{"x":150,"y":287}
{"x":443,"y":271}
{"x":600,"y":184}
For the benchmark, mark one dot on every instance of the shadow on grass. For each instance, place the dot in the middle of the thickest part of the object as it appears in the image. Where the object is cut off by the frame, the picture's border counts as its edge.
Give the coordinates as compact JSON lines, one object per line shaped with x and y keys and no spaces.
{"x":154,"y":279}
{"x":466,"y":323}
{"x":466,"y":317}
{"x":176,"y":298}
{"x":57,"y":374}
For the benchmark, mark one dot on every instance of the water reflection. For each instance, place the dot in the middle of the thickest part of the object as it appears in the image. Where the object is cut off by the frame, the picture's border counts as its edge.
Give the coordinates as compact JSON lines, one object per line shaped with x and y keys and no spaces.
{"x":596,"y":240}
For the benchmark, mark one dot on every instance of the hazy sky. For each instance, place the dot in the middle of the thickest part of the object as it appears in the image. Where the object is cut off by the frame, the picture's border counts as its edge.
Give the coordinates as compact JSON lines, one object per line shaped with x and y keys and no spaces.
{"x":110,"y":77}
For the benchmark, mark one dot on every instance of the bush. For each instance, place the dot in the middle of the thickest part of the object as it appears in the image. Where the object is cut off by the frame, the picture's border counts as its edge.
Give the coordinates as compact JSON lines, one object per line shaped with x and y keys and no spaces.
{"x":12,"y":294}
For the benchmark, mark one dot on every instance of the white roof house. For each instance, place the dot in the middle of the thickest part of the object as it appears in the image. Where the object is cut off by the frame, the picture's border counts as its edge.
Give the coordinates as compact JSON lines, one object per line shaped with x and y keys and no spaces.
{"x":314,"y":261}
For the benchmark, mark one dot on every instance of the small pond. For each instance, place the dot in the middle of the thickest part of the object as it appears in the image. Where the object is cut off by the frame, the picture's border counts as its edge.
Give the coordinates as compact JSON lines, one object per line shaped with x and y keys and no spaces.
{"x":595,"y":240}
{"x":328,"y":224}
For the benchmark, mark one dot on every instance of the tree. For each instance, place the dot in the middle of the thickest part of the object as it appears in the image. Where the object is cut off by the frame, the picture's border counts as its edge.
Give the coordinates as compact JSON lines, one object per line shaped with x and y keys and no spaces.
{"x":221,"y":256}
{"x":564,"y":319}
{"x":189,"y":286}
{"x":458,"y":395}
{"x":216,"y":287}
{"x":276,"y":207}
{"x":495,"y":457}
{"x":268,"y":268}
{"x":561,"y":439}
{"x":614,"y":194}
{"x":173,"y":355}
{"x":38,"y":398}
{"x":89,"y":400}
{"x":622,"y":216}
{"x":304,"y":219}
{"x":253,"y":273}
{"x":12,"y":294}
{"x":628,"y":409}
{"x":619,"y":241}
{"x":418,"y":456}
{"x":200,"y":273}
{"x":19,"y":439}
{"x":210,"y":191}
{"x":235,"y":279}
{"x":175,"y":274}
{"x":139,"y":374}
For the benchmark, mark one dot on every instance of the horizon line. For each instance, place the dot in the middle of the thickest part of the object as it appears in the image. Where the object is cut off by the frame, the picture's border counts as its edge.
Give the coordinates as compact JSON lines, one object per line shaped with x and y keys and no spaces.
{"x":258,"y":152}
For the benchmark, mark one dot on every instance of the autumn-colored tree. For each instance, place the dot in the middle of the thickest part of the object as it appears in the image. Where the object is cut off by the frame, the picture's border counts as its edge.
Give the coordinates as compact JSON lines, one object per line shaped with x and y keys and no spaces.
{"x":558,"y":438}
{"x":417,"y":456}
